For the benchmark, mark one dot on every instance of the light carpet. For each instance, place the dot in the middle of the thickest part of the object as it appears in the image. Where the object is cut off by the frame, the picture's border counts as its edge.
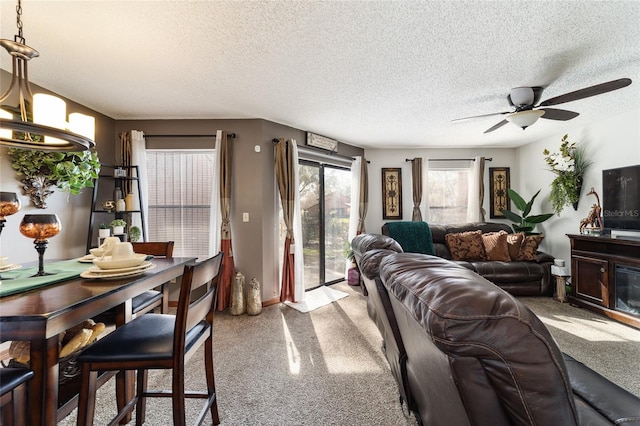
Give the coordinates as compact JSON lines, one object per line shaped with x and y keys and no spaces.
{"x":326,"y":367}
{"x":317,"y":298}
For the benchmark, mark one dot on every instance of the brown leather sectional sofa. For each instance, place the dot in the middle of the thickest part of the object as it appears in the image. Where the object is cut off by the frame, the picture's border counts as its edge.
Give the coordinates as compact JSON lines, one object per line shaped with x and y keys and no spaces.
{"x":465,"y":352}
{"x":520,"y":278}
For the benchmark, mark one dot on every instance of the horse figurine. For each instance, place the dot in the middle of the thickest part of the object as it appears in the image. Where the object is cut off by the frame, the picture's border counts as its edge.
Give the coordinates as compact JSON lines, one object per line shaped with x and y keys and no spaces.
{"x":594,"y":219}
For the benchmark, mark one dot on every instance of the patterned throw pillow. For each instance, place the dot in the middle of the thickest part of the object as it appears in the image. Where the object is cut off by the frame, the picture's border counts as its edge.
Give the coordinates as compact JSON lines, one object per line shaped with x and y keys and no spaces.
{"x":495,"y":246}
{"x":514,"y":243}
{"x":530,"y":247}
{"x":466,"y":246}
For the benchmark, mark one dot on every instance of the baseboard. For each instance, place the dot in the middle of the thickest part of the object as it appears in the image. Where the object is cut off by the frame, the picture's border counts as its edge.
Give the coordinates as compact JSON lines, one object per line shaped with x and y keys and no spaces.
{"x":266,"y":303}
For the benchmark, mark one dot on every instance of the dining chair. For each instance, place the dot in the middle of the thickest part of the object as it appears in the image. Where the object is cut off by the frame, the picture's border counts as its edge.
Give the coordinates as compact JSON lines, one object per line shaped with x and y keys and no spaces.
{"x":159,"y":341}
{"x":13,"y":395}
{"x":151,"y":299}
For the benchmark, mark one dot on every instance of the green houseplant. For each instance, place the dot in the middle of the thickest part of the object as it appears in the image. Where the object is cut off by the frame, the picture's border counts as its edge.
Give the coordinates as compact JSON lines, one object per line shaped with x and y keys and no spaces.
{"x":569,"y":165}
{"x":523,"y":222}
{"x":104,"y":231}
{"x":134,"y":234}
{"x":118,"y":226}
{"x":40,"y":170}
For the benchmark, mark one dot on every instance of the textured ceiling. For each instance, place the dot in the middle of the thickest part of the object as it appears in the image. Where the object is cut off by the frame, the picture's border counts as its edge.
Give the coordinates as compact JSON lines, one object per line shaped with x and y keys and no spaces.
{"x":372,"y":74}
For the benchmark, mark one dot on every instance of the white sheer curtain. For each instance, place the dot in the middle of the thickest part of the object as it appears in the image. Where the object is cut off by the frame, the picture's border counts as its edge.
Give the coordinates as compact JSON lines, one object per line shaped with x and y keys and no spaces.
{"x":298,"y":253}
{"x":424,"y":205}
{"x":473,"y":201}
{"x":215,"y":215}
{"x":139,"y":158}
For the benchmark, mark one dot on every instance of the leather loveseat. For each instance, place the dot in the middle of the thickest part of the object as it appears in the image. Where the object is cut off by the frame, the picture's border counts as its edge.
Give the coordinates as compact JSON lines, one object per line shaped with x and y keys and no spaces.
{"x":518,"y":277}
{"x":465,"y":352}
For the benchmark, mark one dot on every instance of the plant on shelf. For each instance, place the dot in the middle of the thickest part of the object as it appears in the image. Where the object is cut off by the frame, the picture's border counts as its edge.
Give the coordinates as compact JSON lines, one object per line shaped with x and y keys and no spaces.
{"x":134,"y":234}
{"x":40,"y":170}
{"x":104,"y":231}
{"x":523,"y":222}
{"x":569,"y":165}
{"x":118,"y":226}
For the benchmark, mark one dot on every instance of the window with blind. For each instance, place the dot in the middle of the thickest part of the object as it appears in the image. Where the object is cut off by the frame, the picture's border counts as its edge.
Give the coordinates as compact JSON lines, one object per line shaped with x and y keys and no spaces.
{"x":448,"y":190}
{"x":180,"y":189}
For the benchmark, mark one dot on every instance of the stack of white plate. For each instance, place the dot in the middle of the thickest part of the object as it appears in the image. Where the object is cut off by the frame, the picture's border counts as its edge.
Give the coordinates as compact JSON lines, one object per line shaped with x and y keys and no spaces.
{"x":107,"y":268}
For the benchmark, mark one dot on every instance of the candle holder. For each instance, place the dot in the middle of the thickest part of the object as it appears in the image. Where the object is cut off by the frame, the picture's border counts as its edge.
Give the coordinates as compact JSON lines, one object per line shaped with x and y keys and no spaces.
{"x":9,"y":205}
{"x":40,"y":227}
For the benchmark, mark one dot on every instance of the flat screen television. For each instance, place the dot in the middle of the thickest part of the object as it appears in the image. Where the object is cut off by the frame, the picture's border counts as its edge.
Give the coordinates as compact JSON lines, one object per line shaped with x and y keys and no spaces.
{"x":621,"y":201}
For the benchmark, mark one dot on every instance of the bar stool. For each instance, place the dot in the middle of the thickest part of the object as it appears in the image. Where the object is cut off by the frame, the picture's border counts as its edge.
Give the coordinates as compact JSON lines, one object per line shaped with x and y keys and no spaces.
{"x":13,"y":392}
{"x":152,"y":299}
{"x":159,"y":341}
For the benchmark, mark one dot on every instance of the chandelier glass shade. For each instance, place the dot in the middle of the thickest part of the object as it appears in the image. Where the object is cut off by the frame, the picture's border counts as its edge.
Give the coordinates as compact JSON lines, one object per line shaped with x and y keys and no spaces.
{"x":525,"y":119}
{"x":37,"y":122}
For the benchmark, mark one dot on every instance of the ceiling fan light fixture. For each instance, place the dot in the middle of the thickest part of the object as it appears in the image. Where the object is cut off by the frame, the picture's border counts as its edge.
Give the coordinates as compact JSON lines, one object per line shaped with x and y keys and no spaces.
{"x":525,"y":119}
{"x":38,"y":122}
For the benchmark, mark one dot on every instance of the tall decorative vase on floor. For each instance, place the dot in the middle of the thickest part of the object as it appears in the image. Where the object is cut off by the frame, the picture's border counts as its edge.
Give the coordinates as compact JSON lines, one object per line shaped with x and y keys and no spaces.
{"x":238,"y":306}
{"x":254,"y":298}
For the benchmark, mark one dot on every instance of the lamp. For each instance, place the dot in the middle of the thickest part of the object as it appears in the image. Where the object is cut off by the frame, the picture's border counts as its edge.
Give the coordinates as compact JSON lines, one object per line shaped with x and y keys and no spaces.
{"x":526,"y":118}
{"x":31,"y":119}
{"x":40,"y":227}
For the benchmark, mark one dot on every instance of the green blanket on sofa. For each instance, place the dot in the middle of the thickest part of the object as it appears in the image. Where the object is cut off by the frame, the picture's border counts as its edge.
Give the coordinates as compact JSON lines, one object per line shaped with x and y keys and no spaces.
{"x":413,"y":237}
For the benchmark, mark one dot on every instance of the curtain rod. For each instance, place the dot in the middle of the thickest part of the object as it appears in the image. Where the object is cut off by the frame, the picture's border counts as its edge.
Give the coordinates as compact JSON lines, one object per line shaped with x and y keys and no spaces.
{"x":230,"y":135}
{"x":452,"y":159}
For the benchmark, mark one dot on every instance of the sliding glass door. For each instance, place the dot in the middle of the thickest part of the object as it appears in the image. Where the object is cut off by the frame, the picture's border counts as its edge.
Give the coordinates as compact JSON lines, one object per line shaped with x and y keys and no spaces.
{"x":325,"y":193}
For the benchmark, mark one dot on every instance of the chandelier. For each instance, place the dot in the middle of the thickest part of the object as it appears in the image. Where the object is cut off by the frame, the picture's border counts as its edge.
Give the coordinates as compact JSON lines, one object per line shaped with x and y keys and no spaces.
{"x":38,"y":121}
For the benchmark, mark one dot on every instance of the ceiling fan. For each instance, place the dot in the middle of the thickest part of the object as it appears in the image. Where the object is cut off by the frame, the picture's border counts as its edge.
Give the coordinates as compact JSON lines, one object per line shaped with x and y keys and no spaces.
{"x":527,"y":110}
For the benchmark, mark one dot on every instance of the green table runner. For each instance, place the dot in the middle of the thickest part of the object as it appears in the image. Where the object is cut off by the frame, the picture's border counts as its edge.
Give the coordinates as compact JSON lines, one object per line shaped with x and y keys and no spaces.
{"x":23,"y":280}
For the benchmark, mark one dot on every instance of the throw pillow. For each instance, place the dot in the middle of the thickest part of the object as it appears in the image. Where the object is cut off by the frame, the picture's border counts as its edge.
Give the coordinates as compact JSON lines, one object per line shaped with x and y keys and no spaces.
{"x":466,"y":246}
{"x":514,"y":242}
{"x":530,"y":247}
{"x":495,"y":246}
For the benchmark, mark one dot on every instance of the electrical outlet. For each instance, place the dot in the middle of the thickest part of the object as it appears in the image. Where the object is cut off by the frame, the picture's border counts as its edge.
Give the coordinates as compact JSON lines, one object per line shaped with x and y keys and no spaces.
{"x":245,"y":217}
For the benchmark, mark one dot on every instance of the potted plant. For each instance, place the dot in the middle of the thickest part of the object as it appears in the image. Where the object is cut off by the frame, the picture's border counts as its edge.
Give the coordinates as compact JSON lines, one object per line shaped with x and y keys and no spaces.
{"x":523,"y":222}
{"x":569,"y":165}
{"x":40,"y":170}
{"x":104,"y":231}
{"x":134,"y":234}
{"x":118,"y":226}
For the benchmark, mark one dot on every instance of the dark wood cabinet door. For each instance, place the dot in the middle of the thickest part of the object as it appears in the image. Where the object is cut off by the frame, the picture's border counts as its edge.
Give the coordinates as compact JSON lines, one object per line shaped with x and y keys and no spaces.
{"x":590,"y":280}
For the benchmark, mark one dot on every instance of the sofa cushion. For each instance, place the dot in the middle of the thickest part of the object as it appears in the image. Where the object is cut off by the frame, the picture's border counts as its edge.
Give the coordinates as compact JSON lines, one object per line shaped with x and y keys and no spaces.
{"x":495,"y":246}
{"x":364,"y":242}
{"x":529,"y":247}
{"x":514,"y":243}
{"x":466,"y":246}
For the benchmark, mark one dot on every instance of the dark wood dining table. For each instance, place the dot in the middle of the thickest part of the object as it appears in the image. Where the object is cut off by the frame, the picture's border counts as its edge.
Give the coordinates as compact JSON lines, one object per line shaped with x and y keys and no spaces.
{"x":41,"y":314}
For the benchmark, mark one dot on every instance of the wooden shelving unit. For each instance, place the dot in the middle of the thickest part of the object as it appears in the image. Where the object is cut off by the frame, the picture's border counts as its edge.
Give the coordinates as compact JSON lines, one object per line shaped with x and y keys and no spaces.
{"x":103,"y":189}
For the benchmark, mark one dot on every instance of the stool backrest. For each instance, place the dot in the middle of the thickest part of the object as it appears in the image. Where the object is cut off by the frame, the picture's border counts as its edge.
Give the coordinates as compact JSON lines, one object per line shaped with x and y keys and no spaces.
{"x":196,"y":308}
{"x":154,"y":248}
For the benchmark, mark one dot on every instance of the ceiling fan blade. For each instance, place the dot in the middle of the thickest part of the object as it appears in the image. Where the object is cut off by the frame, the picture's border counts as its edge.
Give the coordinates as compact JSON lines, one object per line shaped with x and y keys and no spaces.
{"x":497,"y":126}
{"x":479,"y":116}
{"x":558,"y":114}
{"x":588,"y":92}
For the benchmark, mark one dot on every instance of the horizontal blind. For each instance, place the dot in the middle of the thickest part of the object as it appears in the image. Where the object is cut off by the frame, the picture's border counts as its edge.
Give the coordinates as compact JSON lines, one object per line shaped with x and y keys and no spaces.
{"x":180,"y":187}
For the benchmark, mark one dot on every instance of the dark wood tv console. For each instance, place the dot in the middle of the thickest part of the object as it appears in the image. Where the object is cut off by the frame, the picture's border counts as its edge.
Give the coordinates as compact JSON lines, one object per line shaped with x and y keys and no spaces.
{"x":594,"y":260}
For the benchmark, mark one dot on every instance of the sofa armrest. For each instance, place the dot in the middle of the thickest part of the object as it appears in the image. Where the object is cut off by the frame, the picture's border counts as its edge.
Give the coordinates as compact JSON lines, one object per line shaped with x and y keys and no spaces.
{"x":610,"y":400}
{"x":542,"y":257}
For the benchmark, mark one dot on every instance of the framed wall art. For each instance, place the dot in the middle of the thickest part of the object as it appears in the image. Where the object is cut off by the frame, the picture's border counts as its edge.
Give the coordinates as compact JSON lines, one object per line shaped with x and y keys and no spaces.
{"x":499,"y":197}
{"x":392,"y":193}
